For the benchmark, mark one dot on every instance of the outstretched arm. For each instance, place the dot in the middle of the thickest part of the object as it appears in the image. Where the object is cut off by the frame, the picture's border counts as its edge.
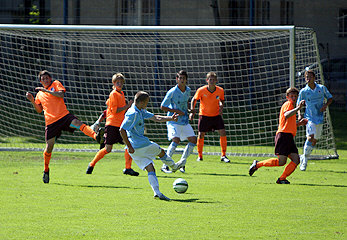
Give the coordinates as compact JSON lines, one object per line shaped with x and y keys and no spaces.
{"x":160,"y":118}
{"x":292,"y":112}
{"x":38,"y":107}
{"x":59,"y":94}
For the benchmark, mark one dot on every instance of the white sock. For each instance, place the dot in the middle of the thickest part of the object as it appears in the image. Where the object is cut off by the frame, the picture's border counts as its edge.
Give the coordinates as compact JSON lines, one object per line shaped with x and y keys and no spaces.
{"x":153,"y":181}
{"x":172,"y":148}
{"x":307,"y":151}
{"x":167,"y":160}
{"x":187,"y":151}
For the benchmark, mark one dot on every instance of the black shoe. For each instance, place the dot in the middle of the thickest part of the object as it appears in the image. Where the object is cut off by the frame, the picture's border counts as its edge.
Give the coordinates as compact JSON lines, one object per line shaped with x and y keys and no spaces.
{"x":253,"y":167}
{"x":89,"y":169}
{"x":183,"y":169}
{"x":130,"y":171}
{"x":224,"y":159}
{"x":100,"y":136}
{"x":45,"y":177}
{"x":285,"y":181}
{"x":199,"y":159}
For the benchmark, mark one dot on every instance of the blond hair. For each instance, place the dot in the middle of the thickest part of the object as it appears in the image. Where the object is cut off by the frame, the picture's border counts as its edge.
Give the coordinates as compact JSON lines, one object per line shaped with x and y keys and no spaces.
{"x":117,"y":76}
{"x":292,"y":90}
{"x":211,"y":74}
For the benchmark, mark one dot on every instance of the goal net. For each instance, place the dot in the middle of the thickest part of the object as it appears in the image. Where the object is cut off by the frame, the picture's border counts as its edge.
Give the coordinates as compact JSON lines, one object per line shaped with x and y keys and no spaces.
{"x":254,"y":65}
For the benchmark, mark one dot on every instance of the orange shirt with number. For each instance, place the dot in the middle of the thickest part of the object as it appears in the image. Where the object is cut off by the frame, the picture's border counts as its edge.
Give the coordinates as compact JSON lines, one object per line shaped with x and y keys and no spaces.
{"x":54,"y":107}
{"x":287,"y":125}
{"x":116,"y":100}
{"x":209,"y":101}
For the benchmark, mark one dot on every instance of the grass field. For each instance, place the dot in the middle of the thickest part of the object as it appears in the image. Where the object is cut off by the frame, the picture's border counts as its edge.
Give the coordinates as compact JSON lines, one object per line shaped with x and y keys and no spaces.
{"x":222,"y":201}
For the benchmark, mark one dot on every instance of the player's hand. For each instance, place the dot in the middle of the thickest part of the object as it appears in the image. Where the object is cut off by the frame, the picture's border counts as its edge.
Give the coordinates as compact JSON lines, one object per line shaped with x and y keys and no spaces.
{"x":174,"y":117}
{"x":131,"y":149}
{"x":301,"y":104}
{"x":29,"y":96}
{"x":41,"y":89}
{"x":180,"y":113}
{"x":324,"y":108}
{"x":302,"y":122}
{"x":191,"y":116}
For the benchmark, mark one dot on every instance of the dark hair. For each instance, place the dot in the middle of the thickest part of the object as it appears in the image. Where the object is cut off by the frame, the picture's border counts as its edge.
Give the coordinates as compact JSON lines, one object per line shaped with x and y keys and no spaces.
{"x":44,"y":72}
{"x":182,"y":72}
{"x":310,"y":71}
{"x":292,"y":90}
{"x":141,"y":96}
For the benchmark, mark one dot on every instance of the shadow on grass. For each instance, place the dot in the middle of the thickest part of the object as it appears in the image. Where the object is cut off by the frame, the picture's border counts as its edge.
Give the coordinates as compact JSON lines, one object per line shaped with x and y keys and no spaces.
{"x":318,"y":185}
{"x":222,"y":174}
{"x":328,"y":171}
{"x":90,"y":186}
{"x":195,"y":200}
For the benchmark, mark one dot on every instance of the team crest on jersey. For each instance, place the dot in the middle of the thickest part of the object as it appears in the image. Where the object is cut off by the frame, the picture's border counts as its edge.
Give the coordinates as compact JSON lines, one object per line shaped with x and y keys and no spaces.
{"x":52,"y":89}
{"x":217,"y":97}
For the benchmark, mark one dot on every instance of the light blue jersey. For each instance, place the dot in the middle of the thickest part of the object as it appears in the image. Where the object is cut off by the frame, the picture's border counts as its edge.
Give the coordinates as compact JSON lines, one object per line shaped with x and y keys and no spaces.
{"x":176,"y":99}
{"x":134,"y":125}
{"x":314,"y":100}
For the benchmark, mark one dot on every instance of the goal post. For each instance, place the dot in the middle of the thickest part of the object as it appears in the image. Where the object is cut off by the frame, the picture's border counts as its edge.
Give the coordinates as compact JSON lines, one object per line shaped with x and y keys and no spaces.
{"x":254,"y":65}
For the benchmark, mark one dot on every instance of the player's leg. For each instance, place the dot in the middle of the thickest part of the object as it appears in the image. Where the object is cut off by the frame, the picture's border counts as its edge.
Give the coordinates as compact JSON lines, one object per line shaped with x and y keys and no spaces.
{"x":187,"y":133}
{"x":128,"y":161}
{"x":168,"y":161}
{"x":83,"y":127}
{"x":170,"y":151}
{"x":313,"y":133}
{"x":223,"y":144}
{"x":289,"y":169}
{"x":200,"y":144}
{"x":98,"y":156}
{"x":47,"y":154}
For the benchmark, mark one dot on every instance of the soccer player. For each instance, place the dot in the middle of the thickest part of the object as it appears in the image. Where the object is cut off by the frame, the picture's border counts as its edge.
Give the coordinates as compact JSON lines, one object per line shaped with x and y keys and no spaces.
{"x":314,"y":95}
{"x":141,"y":149}
{"x":212,"y":102}
{"x":176,"y":101}
{"x":50,"y":99}
{"x":116,"y":108}
{"x":284,"y":141}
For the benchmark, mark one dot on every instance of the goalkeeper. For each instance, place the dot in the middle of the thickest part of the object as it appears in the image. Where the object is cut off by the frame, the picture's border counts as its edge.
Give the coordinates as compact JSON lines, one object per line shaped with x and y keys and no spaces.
{"x":116,"y":108}
{"x":50,"y":99}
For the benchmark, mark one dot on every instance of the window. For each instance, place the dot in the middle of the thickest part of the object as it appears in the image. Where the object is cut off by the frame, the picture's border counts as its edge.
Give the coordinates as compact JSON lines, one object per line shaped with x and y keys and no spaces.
{"x":287,"y":12}
{"x":342,"y":23}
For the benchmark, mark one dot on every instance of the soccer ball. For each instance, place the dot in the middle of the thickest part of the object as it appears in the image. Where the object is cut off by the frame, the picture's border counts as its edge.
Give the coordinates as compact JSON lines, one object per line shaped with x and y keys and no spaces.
{"x":180,"y":185}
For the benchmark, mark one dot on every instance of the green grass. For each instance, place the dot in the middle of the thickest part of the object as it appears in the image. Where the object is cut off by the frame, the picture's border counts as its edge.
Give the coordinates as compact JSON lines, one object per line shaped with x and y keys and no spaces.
{"x":222,"y":201}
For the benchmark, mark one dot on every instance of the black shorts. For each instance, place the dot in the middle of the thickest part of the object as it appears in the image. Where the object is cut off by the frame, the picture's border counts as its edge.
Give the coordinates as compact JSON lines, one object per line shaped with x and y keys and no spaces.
{"x":209,"y":124}
{"x":112,"y":135}
{"x":63,"y":124}
{"x":284,"y":144}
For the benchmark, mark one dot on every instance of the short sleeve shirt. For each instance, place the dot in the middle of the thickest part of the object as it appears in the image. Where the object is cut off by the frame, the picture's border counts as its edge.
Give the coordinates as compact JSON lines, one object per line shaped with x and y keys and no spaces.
{"x":176,"y":99}
{"x":209,"y":102}
{"x":54,"y":107}
{"x":116,"y":100}
{"x":287,"y":125}
{"x":314,"y":100}
{"x":134,"y":124}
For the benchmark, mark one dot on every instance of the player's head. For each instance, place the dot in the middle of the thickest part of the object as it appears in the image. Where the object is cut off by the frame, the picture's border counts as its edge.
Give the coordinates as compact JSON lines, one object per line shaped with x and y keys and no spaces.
{"x":310,"y":76}
{"x":141,"y":99}
{"x":211,"y":78}
{"x":45,"y":78}
{"x":292,"y":94}
{"x":182,"y":77}
{"x":118,"y":81}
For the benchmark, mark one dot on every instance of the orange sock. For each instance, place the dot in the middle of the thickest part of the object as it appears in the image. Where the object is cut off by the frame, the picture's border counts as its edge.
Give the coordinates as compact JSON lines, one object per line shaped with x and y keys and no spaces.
{"x":128,"y":159}
{"x":223,"y":144}
{"x":98,"y":156}
{"x":272,"y":162}
{"x":47,"y":157}
{"x":288,"y":170}
{"x":88,"y":131}
{"x":200,"y":145}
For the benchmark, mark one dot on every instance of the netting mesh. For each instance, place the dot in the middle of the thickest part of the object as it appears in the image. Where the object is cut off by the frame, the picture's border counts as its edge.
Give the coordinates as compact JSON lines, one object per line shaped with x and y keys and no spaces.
{"x":252,"y":67}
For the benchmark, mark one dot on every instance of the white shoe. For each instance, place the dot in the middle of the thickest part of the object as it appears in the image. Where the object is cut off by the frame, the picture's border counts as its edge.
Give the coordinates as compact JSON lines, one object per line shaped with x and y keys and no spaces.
{"x":161,"y":197}
{"x":177,"y":166}
{"x":165,"y":169}
{"x":225,"y":159}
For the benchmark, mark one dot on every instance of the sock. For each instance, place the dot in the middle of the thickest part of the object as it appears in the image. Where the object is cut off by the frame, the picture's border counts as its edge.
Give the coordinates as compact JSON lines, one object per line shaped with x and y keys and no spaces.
{"x":46,"y":157}
{"x":88,"y":131}
{"x":128,"y":159}
{"x":98,"y":156}
{"x":307,"y":150}
{"x":172,"y":148}
{"x":223,"y":144}
{"x":272,"y":162}
{"x":153,"y":181}
{"x":187,"y":151}
{"x":288,"y":170}
{"x":200,"y":145}
{"x":167,"y":160}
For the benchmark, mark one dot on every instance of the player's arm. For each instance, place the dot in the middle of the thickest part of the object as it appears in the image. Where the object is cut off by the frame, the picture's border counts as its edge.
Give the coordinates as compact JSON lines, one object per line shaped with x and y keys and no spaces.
{"x":160,"y":118}
{"x":292,"y":112}
{"x":221,"y":106}
{"x":38,"y":107}
{"x":325,"y":106}
{"x":166,"y":109}
{"x":192,"y":108}
{"x":126,"y":107}
{"x":59,"y":94}
{"x":125,"y":138}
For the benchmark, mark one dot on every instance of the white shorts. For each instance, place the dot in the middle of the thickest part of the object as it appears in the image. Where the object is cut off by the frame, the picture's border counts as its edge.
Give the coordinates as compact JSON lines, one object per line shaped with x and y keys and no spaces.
{"x":180,"y":131}
{"x":144,"y":156}
{"x":315,"y":129}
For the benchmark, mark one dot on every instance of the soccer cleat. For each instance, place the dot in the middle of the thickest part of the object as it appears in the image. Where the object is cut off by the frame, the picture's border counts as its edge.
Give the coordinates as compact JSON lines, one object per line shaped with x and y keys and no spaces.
{"x":45,"y":177}
{"x":177,"y":166}
{"x":199,"y":159}
{"x":225,"y":159}
{"x":253,"y":167}
{"x":284,"y":181}
{"x":100,"y":136}
{"x":130,"y":171}
{"x":89,"y":169}
{"x":183,"y":169}
{"x":165,"y":169}
{"x":161,"y":197}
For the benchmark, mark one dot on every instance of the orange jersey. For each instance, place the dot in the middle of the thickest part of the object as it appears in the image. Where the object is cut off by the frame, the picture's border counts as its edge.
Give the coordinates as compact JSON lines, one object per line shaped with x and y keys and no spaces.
{"x":209,"y":102}
{"x":287,"y":125}
{"x":115,"y":101}
{"x":54,"y":107}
